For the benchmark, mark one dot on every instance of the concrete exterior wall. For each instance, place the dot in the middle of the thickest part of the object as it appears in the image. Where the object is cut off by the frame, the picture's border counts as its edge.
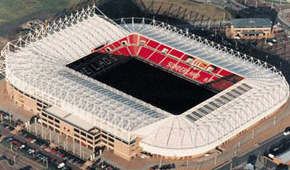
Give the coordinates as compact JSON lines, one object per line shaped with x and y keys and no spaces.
{"x":22,"y":100}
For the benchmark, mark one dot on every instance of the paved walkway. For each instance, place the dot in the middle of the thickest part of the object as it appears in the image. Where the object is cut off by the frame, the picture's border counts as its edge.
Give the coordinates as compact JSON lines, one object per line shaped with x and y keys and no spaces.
{"x":281,"y":18}
{"x":9,"y":106}
{"x":241,"y":6}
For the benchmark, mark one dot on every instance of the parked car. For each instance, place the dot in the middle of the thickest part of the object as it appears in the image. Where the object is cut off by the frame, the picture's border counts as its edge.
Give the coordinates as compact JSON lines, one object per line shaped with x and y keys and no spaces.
{"x":22,"y":147}
{"x":61,"y":165}
{"x":25,"y":168}
{"x":237,"y":37}
{"x":31,"y":151}
{"x":270,"y":43}
{"x":270,"y":155}
{"x":11,"y":128}
{"x":31,"y":140}
{"x":286,"y":131}
{"x":274,"y":40}
{"x":9,"y":139}
{"x":5,"y":126}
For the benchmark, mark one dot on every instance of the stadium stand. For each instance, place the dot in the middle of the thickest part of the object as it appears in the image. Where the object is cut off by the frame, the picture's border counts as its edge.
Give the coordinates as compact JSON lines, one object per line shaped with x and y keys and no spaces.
{"x":173,"y":60}
{"x":38,"y":79}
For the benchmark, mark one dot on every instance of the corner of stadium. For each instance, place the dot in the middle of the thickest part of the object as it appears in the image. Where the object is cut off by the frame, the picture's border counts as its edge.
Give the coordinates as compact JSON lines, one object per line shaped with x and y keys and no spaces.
{"x":138,"y":85}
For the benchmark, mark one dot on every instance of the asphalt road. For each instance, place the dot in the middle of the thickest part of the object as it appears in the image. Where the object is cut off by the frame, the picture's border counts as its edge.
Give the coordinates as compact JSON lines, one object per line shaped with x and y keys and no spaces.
{"x":260,"y":150}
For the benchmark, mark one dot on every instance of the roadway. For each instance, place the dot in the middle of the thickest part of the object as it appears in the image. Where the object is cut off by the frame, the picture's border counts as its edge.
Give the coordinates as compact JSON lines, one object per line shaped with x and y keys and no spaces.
{"x":20,"y":160}
{"x":259,"y":150}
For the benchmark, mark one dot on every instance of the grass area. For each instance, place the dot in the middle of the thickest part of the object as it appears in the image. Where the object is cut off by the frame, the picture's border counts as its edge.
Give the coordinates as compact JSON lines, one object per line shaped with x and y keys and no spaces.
{"x":243,"y":1}
{"x":278,"y":2}
{"x":206,"y":9}
{"x":13,"y":10}
{"x":283,"y":2}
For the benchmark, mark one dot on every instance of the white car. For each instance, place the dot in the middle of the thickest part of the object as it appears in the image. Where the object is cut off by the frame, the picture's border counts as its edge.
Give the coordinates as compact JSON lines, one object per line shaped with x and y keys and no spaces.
{"x":270,"y":44}
{"x":207,"y":154}
{"x":31,"y":151}
{"x":271,"y":155}
{"x":22,"y":146}
{"x":274,"y":40}
{"x":287,"y":131}
{"x":61,"y":165}
{"x":237,"y":37}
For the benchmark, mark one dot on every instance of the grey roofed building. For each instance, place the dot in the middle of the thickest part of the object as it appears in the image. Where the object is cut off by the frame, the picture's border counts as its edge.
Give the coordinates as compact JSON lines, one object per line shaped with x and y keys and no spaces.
{"x":251,"y":22}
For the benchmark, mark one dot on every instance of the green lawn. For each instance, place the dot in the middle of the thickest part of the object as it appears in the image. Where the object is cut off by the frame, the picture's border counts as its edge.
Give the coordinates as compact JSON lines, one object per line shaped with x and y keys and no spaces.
{"x":208,"y":9}
{"x":13,"y":10}
{"x":277,"y":2}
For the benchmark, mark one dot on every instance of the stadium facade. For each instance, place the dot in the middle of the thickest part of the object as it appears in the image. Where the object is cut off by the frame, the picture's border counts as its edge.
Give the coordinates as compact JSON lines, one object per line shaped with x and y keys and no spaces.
{"x":94,"y":114}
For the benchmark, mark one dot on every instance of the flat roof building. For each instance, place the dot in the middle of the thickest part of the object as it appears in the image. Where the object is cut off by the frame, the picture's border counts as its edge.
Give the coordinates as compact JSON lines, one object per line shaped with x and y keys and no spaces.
{"x":250,"y":28}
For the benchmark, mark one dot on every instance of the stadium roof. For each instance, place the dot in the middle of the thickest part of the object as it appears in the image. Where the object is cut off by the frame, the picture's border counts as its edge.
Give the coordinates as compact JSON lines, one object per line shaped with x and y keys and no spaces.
{"x":36,"y":64}
{"x":251,"y":23}
{"x":76,"y":120}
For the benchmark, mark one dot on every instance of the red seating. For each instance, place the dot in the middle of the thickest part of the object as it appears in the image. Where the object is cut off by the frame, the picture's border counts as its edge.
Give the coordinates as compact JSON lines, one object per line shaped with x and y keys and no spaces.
{"x":162,"y":47}
{"x":133,"y":39}
{"x":143,"y":39}
{"x":221,"y":85}
{"x":215,"y":71}
{"x":193,"y":73}
{"x":213,"y":78}
{"x":133,"y":49}
{"x":117,"y":44}
{"x":204,"y":77}
{"x":116,"y":52}
{"x":168,"y":62}
{"x":137,"y":45}
{"x":124,"y":51}
{"x":123,"y":40}
{"x":156,"y":57}
{"x":176,"y":53}
{"x":145,"y":52}
{"x":225,"y":73}
{"x":184,"y":57}
{"x":182,"y":68}
{"x":152,"y":44}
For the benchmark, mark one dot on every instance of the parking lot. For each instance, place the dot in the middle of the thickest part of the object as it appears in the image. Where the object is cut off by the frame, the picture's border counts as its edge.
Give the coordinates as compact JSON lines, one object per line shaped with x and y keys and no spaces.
{"x":280,"y":45}
{"x":35,"y":148}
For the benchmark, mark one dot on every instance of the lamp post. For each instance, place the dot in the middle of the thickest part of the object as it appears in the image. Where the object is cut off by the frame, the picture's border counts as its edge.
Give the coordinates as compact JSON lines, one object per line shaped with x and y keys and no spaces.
{"x":35,"y":126}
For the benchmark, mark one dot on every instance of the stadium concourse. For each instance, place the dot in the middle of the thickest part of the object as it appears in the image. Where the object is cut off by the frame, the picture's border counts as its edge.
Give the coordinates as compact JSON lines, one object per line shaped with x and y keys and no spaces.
{"x":92,"y":113}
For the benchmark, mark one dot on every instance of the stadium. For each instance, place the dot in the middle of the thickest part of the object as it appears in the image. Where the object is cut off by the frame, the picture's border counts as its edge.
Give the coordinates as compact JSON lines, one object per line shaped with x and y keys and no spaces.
{"x":87,"y":77}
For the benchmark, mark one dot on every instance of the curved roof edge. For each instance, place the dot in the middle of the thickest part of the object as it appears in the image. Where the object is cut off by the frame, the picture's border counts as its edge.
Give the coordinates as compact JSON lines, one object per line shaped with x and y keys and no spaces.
{"x":175,"y":152}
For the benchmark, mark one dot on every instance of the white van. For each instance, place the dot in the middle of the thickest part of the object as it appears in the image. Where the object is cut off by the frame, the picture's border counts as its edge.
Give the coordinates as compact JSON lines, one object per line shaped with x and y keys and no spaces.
{"x":271,"y":156}
{"x":61,"y":165}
